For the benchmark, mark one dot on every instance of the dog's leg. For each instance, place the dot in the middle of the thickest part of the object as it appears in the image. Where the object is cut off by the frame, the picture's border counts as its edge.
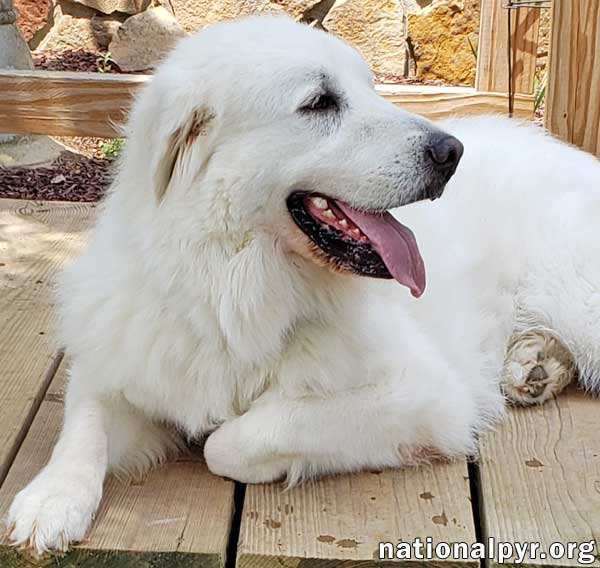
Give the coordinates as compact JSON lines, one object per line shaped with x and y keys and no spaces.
{"x":371,"y":427}
{"x":537,"y":367}
{"x":57,"y":506}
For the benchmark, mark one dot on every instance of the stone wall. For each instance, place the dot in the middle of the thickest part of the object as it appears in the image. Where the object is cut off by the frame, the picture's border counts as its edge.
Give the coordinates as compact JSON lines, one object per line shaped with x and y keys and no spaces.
{"x":432,"y":40}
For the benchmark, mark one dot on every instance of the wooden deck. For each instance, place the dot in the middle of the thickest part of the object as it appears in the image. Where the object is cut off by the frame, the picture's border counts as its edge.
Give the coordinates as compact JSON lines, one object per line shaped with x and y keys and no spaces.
{"x":538,"y":478}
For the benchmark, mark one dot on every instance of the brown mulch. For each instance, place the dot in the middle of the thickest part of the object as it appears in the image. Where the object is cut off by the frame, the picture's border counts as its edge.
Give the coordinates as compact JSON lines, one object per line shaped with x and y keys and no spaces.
{"x":74,"y":60}
{"x":70,"y":177}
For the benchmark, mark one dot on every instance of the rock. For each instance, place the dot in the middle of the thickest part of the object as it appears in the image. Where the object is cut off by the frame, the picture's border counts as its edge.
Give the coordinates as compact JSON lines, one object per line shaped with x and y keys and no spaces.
{"x":144,"y":39}
{"x":14,"y":52}
{"x":303,"y":9}
{"x":110,"y":6}
{"x":30,"y":151}
{"x":104,"y":29}
{"x":70,"y":33}
{"x":194,"y":15}
{"x":376,"y":28}
{"x":415,"y":6}
{"x":33,"y":17}
{"x":444,"y":37}
{"x":71,"y":30}
{"x":544,"y":37}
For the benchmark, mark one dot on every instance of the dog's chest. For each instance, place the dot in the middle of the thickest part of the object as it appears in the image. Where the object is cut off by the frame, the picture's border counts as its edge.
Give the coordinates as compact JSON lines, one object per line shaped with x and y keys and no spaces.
{"x":198,"y":396}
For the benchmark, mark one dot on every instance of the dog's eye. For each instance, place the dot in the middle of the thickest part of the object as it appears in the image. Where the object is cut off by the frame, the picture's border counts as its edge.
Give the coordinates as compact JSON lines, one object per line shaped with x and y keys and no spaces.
{"x":320,"y":103}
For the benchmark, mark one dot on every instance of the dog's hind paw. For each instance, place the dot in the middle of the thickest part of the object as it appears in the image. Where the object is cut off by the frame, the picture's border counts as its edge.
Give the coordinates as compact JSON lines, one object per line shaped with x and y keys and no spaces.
{"x":537,"y":367}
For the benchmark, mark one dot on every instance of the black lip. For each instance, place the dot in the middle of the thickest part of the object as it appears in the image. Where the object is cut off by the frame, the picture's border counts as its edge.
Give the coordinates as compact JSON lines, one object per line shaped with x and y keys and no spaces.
{"x":344,"y":253}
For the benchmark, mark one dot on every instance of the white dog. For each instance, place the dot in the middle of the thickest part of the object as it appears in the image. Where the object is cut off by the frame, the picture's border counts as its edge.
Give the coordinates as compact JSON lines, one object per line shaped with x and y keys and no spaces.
{"x":217,"y":293}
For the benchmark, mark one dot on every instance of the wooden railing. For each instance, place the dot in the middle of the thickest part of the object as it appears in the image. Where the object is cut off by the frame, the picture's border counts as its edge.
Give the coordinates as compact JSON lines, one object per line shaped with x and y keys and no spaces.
{"x":96,"y":104}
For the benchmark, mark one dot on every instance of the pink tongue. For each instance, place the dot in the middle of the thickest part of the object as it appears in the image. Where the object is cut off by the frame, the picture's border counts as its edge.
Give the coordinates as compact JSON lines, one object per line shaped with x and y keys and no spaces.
{"x":395,"y":244}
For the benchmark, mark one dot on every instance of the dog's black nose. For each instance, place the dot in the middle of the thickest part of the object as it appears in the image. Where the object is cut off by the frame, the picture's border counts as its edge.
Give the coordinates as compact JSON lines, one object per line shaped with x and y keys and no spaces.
{"x":445,"y":152}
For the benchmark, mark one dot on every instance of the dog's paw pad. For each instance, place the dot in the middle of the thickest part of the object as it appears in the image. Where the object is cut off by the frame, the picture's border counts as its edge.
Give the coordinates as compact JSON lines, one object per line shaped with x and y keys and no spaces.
{"x":537,"y":367}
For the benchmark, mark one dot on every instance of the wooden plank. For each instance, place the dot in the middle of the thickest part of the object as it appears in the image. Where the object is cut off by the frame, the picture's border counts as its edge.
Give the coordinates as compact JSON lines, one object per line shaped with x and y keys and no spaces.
{"x":540,"y":476}
{"x":436,"y":103}
{"x":65,"y":104}
{"x":340,"y":521}
{"x":492,"y":54}
{"x":179,"y":515}
{"x":95,"y":104}
{"x":36,"y":240}
{"x":573,"y":98}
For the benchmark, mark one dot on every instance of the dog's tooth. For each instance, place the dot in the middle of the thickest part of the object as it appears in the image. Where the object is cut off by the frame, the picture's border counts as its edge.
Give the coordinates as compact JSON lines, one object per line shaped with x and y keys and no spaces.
{"x":319,"y":202}
{"x":329,"y":214}
{"x":356,"y":231}
{"x":344,"y":223}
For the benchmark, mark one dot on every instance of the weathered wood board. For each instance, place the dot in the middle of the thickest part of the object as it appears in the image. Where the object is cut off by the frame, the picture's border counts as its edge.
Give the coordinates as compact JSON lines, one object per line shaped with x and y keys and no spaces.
{"x":36,"y":240}
{"x":96,"y":104}
{"x":540,"y":476}
{"x":492,"y":53}
{"x":573,"y":99}
{"x":340,"y":521}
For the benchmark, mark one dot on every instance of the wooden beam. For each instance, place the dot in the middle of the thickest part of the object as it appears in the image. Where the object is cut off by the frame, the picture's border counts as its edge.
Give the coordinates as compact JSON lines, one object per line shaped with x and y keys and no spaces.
{"x":573,"y":101}
{"x":95,"y":104}
{"x":436,"y":103}
{"x":492,"y":56}
{"x":65,"y":104}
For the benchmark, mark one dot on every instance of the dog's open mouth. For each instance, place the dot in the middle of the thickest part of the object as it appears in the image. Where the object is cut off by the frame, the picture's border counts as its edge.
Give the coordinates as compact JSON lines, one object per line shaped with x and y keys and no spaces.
{"x":367,"y":243}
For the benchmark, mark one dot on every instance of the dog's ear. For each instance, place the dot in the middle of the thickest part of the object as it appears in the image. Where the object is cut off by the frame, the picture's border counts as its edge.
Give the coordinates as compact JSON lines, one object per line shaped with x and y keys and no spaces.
{"x":176,"y":157}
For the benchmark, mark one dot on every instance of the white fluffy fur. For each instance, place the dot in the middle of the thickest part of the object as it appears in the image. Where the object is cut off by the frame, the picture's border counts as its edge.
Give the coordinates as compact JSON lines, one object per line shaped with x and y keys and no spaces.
{"x":197,"y":305}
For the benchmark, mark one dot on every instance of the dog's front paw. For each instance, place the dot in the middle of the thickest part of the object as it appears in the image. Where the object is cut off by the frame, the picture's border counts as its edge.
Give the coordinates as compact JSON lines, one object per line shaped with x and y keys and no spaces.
{"x":537,"y":367}
{"x":51,"y":512}
{"x":233,"y":451}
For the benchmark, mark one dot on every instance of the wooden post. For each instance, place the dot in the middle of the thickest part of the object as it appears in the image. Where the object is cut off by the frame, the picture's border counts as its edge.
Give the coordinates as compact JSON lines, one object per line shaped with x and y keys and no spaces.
{"x":492,"y":55}
{"x":573,"y":98}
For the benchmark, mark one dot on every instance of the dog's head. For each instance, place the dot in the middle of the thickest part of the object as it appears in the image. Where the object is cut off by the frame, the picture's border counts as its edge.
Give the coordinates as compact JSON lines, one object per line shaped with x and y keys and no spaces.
{"x":267,"y":126}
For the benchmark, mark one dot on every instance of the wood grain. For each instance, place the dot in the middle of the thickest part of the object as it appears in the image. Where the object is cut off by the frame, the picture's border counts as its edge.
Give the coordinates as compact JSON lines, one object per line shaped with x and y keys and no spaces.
{"x":179,"y":515}
{"x":573,"y":98}
{"x":492,"y":55}
{"x":96,"y":104}
{"x":540,"y":476}
{"x":65,"y":104}
{"x":436,"y":103}
{"x":36,"y":240}
{"x":340,"y":521}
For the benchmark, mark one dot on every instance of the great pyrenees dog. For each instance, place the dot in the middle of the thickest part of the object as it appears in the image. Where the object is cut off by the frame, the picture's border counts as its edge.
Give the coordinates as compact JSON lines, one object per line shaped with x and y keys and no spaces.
{"x":254,"y":276}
